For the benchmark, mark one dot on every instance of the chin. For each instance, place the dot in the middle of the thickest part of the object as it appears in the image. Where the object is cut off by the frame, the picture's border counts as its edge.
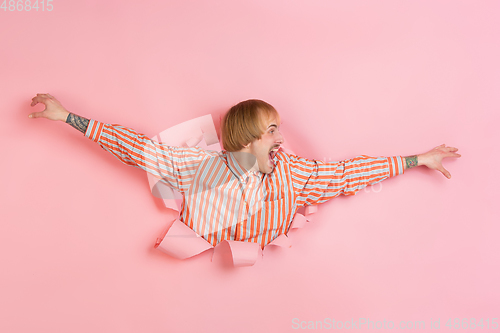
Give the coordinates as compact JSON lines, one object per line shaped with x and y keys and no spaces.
{"x":267,"y":170}
{"x":266,"y":167}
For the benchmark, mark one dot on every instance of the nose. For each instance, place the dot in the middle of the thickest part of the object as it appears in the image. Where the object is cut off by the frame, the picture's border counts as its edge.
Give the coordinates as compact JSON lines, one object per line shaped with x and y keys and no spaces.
{"x":280,"y":139}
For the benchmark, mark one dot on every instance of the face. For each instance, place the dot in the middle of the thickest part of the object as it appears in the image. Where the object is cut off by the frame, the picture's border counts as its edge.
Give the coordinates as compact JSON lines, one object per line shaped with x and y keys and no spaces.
{"x":265,"y":148}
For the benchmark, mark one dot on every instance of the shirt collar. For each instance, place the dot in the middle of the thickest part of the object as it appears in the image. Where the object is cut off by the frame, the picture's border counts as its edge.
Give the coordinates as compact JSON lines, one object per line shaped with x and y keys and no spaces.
{"x":240,"y":172}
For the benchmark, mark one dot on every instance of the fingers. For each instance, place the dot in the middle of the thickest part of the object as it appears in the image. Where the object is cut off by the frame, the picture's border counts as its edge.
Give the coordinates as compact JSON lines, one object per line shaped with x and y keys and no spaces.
{"x":451,"y":151}
{"x":445,"y":172}
{"x":36,"y":115}
{"x":39,"y":98}
{"x":34,"y":100}
{"x":444,"y":146}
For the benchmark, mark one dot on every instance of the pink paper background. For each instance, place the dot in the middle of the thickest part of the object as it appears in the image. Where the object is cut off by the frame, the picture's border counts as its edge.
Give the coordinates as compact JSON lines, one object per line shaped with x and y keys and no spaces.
{"x":349,"y":77}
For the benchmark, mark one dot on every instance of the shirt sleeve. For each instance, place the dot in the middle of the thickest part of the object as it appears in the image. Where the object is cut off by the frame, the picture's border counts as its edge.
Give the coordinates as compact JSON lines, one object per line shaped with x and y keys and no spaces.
{"x":175,"y":166}
{"x":317,"y":181}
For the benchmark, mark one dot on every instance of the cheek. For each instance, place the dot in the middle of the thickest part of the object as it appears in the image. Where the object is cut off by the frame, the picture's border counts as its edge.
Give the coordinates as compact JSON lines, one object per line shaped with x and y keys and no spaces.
{"x":268,"y":140}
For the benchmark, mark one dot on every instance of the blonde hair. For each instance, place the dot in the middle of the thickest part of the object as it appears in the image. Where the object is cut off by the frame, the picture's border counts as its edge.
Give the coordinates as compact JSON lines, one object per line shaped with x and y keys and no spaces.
{"x":245,"y":123}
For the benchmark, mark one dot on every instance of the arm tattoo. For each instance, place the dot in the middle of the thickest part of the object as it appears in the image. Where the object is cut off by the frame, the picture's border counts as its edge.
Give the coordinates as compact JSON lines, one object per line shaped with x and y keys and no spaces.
{"x":78,"y":122}
{"x":411,"y":161}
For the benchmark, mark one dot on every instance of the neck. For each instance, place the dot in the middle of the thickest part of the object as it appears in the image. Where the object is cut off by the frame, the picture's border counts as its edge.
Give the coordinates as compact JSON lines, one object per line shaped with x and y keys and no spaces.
{"x":247,"y":160}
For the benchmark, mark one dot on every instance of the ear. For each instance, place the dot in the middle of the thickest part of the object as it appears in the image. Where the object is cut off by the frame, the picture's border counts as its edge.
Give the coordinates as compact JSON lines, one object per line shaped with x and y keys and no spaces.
{"x":248,"y":145}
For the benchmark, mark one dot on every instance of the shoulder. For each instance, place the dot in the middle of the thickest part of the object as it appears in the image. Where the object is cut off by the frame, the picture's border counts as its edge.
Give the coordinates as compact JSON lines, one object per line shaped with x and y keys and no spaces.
{"x":194,"y":153}
{"x":287,"y":157}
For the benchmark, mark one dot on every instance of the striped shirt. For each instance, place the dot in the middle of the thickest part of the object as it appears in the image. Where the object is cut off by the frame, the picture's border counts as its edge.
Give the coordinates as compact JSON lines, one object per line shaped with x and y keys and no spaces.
{"x":224,"y":201}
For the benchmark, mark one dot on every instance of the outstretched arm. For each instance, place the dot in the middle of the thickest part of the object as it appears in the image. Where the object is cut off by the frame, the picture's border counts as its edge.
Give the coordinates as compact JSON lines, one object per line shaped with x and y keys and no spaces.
{"x":432,"y":159}
{"x":175,"y":166}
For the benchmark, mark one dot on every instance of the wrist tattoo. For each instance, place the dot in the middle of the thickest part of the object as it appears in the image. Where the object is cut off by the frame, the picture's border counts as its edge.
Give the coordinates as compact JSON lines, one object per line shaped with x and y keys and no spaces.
{"x":78,"y":122}
{"x":411,"y":161}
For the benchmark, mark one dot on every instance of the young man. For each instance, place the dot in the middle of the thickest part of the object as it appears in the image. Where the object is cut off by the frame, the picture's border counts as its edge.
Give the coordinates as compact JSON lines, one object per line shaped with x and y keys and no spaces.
{"x":252,"y":189}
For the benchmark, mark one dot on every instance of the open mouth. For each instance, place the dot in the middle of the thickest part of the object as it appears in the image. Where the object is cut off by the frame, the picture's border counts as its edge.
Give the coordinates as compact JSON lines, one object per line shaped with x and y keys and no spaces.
{"x":273,"y":152}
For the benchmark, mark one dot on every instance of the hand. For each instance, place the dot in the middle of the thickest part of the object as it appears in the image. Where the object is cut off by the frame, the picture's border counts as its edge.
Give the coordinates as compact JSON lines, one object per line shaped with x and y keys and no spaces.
{"x":433,"y":158}
{"x":53,"y":108}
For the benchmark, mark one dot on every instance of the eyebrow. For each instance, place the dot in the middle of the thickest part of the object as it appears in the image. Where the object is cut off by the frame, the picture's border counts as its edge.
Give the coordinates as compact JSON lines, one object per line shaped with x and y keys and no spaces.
{"x":272,"y":126}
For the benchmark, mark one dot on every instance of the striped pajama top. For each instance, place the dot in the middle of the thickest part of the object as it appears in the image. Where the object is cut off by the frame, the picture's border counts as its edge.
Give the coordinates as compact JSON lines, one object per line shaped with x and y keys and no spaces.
{"x":223,"y":201}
